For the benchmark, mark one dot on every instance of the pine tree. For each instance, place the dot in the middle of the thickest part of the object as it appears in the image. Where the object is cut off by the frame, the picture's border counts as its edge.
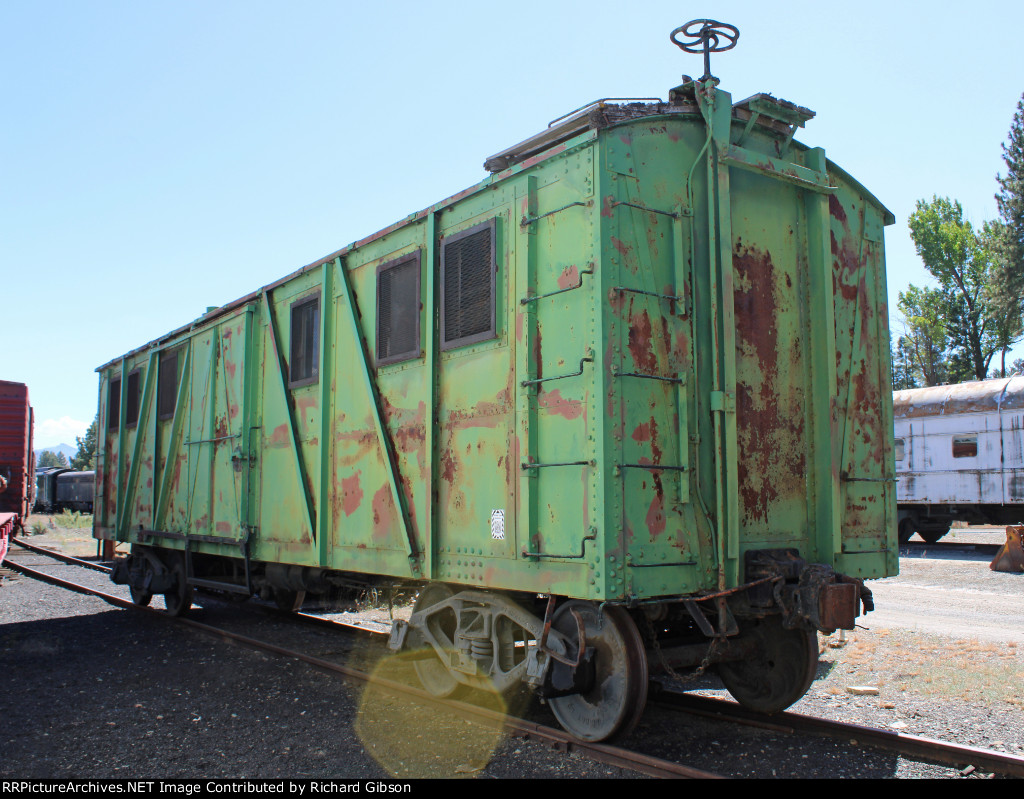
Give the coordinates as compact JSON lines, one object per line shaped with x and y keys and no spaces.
{"x":86,"y":456}
{"x":49,"y":458}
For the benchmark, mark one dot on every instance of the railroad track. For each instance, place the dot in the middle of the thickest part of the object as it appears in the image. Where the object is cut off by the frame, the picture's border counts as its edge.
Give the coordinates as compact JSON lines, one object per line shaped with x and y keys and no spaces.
{"x":520,"y":728}
{"x":914,"y":547}
{"x":909,"y":746}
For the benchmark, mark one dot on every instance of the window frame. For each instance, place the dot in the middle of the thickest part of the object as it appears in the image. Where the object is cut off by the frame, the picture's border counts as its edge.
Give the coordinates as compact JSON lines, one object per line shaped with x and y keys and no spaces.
{"x":492,"y":330}
{"x":964,"y":441}
{"x":114,"y":405}
{"x":166,"y":357}
{"x":130,"y":401}
{"x":417,"y":349}
{"x":296,"y":305}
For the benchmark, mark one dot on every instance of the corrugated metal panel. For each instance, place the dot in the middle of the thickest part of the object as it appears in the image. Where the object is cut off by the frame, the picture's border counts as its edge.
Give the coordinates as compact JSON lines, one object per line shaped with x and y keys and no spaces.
{"x":980,"y":396}
{"x":17,"y":462}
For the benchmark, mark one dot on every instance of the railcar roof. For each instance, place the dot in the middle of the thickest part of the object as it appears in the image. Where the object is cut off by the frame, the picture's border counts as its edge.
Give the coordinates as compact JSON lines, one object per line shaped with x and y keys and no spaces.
{"x":782,"y":116}
{"x":976,"y":397}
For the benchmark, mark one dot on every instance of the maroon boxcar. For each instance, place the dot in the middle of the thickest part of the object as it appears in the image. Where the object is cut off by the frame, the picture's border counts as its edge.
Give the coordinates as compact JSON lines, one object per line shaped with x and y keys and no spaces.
{"x":17,"y":461}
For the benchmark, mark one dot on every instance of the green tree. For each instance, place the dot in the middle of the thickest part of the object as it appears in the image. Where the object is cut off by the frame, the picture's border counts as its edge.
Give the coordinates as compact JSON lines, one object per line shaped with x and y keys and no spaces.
{"x":48,"y":459}
{"x":1010,"y":201}
{"x":964,"y":262}
{"x":902,"y":365}
{"x":85,"y":459}
{"x":925,"y":343}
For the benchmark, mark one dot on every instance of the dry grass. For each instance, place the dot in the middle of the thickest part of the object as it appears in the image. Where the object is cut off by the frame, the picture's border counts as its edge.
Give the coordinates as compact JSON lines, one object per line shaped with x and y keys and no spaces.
{"x":70,"y":532}
{"x":902,"y":663}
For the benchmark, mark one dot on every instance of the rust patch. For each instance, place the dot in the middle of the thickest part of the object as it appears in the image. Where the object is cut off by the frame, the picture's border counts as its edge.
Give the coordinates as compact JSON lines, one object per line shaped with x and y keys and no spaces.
{"x":279,"y":438}
{"x":835,"y":208}
{"x":620,"y":246}
{"x":448,"y":467}
{"x":569,"y":278}
{"x":640,"y":343}
{"x":384,"y":516}
{"x":607,"y":207}
{"x":559,"y":405}
{"x":656,"y":513}
{"x":769,"y":401}
{"x":351,"y":494}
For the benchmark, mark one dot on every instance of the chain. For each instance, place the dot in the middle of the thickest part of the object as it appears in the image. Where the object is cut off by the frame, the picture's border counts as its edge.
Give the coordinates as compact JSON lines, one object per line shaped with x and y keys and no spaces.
{"x":675,"y":676}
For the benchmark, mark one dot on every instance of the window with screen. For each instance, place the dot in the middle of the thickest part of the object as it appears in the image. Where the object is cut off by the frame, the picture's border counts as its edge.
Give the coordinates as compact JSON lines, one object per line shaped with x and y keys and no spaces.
{"x":398,"y":310}
{"x":114,"y":404}
{"x":167,"y":384}
{"x":131,"y":400}
{"x":467,"y":287}
{"x":965,"y":446}
{"x":304,"y":363}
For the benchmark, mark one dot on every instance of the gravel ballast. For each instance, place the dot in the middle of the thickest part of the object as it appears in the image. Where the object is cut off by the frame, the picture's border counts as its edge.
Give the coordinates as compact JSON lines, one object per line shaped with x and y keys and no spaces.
{"x":97,"y":691}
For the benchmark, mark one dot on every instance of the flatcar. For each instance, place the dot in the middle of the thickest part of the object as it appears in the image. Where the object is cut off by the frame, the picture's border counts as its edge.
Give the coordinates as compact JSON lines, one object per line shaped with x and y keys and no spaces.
{"x":60,"y":489}
{"x":17,"y":460}
{"x":621,"y":408}
{"x":959,"y":454}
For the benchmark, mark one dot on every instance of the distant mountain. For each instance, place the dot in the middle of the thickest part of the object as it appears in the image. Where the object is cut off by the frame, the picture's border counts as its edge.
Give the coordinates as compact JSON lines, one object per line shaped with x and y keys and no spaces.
{"x":68,"y":450}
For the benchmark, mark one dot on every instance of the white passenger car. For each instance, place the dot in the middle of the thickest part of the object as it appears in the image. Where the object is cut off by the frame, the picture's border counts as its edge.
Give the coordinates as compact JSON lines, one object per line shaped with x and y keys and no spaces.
{"x":959,"y":454}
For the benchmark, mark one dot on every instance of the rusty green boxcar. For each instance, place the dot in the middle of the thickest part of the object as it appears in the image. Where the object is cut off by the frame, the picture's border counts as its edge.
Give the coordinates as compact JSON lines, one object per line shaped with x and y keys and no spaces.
{"x":623,"y":407}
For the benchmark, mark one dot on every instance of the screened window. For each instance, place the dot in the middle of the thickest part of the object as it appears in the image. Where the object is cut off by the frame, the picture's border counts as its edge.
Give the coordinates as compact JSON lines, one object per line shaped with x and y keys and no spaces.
{"x":131,"y":401}
{"x":900,"y":449}
{"x":304,"y":364}
{"x":965,"y":446}
{"x":114,"y":404}
{"x":398,"y":310}
{"x":467,"y":287}
{"x":167,"y":385}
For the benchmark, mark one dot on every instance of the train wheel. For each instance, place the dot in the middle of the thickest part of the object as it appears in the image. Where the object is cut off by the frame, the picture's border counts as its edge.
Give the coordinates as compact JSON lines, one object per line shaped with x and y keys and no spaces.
{"x":616,"y":699}
{"x":931,"y":536}
{"x":435,"y":677}
{"x":140,"y":598}
{"x":179,"y":599}
{"x":780,"y":670}
{"x":289,"y":601}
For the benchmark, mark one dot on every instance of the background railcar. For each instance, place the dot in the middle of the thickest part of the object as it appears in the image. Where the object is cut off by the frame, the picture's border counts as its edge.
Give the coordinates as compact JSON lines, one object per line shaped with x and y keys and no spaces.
{"x":959,"y":453}
{"x":17,"y":460}
{"x":626,"y":401}
{"x":60,"y":489}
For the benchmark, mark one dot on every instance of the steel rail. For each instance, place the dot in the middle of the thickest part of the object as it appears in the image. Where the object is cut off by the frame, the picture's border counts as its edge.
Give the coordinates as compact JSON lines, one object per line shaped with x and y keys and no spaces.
{"x":61,"y":557}
{"x":949,"y":546}
{"x":901,"y":743}
{"x":560,"y":740}
{"x":888,"y":740}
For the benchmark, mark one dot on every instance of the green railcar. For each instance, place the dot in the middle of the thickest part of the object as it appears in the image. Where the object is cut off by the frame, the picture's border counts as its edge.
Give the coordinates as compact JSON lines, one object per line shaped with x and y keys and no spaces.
{"x":623,"y":407}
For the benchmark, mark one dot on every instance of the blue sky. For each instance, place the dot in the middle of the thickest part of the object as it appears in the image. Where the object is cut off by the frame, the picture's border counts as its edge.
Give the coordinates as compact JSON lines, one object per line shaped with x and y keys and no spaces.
{"x":161,"y":157}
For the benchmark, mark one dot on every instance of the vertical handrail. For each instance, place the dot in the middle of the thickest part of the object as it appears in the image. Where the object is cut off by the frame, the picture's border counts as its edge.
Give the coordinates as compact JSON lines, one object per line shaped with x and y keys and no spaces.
{"x":431,"y":377}
{"x":326,"y":393}
{"x":527,"y":365}
{"x":830,"y":453}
